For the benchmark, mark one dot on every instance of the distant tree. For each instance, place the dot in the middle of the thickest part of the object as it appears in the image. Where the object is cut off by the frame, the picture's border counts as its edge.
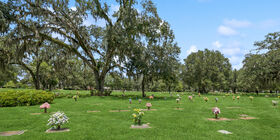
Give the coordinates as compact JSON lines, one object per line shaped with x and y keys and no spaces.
{"x":158,"y":58}
{"x":8,"y":73}
{"x":261,"y":70}
{"x":252,"y":73}
{"x":207,"y":70}
{"x":234,"y":77}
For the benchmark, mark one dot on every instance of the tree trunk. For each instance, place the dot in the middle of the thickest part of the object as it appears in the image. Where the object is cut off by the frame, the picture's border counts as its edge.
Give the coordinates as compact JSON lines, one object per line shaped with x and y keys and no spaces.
{"x":234,"y":90}
{"x":143,"y":88}
{"x":100,"y":85}
{"x":35,"y":79}
{"x":169,"y":89}
{"x":36,"y":83}
{"x":257,"y":92}
{"x":50,"y":87}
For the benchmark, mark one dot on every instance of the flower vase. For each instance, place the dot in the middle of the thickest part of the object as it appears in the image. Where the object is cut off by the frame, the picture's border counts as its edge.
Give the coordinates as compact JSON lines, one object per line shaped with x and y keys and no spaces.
{"x":58,"y":127}
{"x":216,"y":116}
{"x":139,"y":122}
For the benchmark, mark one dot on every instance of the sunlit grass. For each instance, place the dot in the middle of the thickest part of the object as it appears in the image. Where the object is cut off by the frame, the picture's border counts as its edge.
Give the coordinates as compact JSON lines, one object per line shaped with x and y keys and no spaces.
{"x":166,"y":122}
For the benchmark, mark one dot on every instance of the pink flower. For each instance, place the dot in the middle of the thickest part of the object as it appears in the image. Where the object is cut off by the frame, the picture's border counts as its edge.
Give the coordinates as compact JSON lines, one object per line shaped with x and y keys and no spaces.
{"x":190,"y":97}
{"x":45,"y":105}
{"x":216,"y":110}
{"x":148,"y":104}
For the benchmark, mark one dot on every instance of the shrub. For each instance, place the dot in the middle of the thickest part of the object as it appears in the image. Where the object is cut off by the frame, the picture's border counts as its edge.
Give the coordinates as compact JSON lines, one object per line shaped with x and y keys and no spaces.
{"x":24,"y":97}
{"x":93,"y":92}
{"x":10,"y":84}
{"x":107,"y":92}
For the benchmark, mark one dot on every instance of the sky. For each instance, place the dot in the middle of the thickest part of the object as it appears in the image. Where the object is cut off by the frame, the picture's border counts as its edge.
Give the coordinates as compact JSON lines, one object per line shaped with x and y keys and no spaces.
{"x":230,"y":26}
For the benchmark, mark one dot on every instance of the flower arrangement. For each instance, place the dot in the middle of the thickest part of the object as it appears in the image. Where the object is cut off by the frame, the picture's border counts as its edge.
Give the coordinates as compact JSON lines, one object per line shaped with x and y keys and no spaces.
{"x":149,"y":105}
{"x":274,"y":103}
{"x":216,"y":111}
{"x":199,"y":95}
{"x":179,"y":97}
{"x":177,"y":100}
{"x":137,"y":116}
{"x":151,"y":97}
{"x":57,"y":120}
{"x":76,"y":97}
{"x":45,"y":106}
{"x":233,"y":97}
{"x":216,"y":99}
{"x":139,"y":101}
{"x":238,"y":97}
{"x":190,"y":98}
{"x":205,"y":99}
{"x":130,"y":101}
{"x":251,"y":98}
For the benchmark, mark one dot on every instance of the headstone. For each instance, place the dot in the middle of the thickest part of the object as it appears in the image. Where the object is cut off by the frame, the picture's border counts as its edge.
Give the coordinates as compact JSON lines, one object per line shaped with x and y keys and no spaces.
{"x":11,"y":133}
{"x":224,"y":132}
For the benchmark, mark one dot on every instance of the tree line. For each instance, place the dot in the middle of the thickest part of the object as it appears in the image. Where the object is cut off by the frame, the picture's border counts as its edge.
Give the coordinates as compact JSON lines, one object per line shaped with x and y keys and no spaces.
{"x":47,"y":44}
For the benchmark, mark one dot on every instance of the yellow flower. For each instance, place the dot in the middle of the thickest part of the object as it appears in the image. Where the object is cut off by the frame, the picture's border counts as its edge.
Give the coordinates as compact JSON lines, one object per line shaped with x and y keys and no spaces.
{"x":134,"y":115}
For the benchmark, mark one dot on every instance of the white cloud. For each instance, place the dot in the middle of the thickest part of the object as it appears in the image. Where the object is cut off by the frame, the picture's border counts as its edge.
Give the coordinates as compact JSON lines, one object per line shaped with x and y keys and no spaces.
{"x":90,"y":21}
{"x":192,"y":49}
{"x":226,"y":31}
{"x":237,"y":66}
{"x":237,"y":23}
{"x":231,"y":51}
{"x":217,"y":44}
{"x":232,"y":48}
{"x":235,"y":59}
{"x":50,"y":8}
{"x":73,"y":8}
{"x":269,"y":23}
{"x":115,"y":8}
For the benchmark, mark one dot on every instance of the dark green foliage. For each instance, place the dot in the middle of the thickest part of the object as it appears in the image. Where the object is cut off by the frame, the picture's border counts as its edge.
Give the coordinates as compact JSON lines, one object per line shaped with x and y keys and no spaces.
{"x":261,"y":71}
{"x":70,"y":94}
{"x":107,"y":92}
{"x":207,"y":71}
{"x":24,"y":97}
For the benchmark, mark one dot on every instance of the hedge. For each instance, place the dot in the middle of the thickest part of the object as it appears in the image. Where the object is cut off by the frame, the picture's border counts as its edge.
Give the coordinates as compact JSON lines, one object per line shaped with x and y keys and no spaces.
{"x":24,"y":97}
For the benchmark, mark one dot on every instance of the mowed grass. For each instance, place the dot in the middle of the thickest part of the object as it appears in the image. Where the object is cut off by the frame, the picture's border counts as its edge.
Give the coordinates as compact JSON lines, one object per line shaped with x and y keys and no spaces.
{"x":166,"y":122}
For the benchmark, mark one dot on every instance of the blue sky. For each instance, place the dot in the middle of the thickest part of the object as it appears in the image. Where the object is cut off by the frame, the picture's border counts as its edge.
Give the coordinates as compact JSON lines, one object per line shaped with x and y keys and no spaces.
{"x":230,"y":26}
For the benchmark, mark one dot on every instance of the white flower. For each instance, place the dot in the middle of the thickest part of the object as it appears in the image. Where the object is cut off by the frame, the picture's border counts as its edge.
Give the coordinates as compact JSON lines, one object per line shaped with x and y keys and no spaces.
{"x":58,"y":119}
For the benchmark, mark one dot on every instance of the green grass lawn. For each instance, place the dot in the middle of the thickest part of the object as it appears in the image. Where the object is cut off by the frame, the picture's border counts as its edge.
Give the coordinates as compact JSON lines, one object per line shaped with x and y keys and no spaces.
{"x":167,"y":123}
